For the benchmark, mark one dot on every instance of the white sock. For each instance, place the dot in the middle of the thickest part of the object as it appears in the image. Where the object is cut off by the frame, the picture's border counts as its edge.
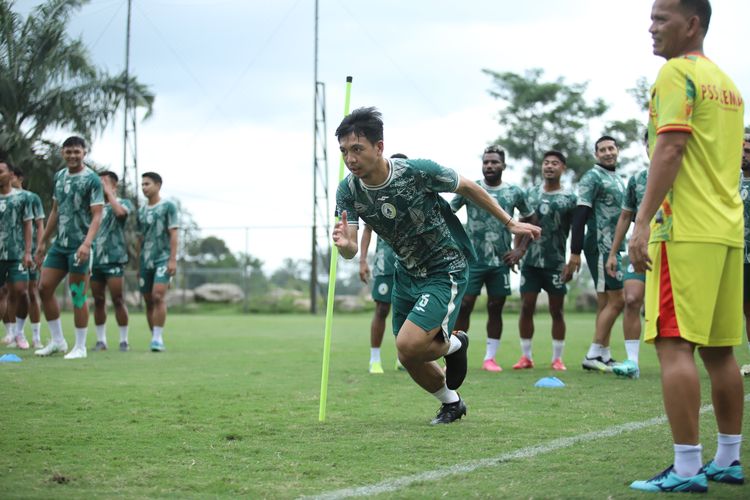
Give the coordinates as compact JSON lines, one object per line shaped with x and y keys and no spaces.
{"x":492,"y":347}
{"x":36,"y":332}
{"x":728,"y":450}
{"x":557,"y":349}
{"x":20,"y":323}
{"x":101,"y":333}
{"x":445,"y":395}
{"x":55,"y":330}
{"x":632,"y":347}
{"x":687,"y":459}
{"x":157,"y":334}
{"x":526,"y":347}
{"x":123,"y":333}
{"x":374,"y":354}
{"x":595,"y":350}
{"x":606,"y":354}
{"x":454,"y":346}
{"x":10,"y":329}
{"x":81,"y":338}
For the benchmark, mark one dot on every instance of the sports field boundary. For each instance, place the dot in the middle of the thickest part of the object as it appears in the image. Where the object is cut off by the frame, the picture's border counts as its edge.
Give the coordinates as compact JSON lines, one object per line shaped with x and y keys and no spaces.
{"x":398,"y":483}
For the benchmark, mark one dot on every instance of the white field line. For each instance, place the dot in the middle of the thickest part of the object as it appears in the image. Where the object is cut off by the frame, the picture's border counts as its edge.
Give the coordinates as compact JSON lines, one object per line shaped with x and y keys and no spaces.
{"x":468,"y":467}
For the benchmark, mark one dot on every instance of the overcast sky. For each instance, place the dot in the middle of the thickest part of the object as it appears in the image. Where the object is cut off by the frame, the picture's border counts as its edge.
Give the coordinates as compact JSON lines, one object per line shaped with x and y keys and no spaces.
{"x":232,"y":129}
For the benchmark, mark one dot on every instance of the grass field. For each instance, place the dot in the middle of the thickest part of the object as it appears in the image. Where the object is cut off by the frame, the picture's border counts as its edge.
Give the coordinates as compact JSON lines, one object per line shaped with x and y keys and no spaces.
{"x":231,"y":410}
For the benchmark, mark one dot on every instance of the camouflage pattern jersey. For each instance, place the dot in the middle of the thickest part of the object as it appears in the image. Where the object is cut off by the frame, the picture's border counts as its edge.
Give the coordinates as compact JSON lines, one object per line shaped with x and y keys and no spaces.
{"x":75,"y":194}
{"x":110,"y":246}
{"x":554,"y":211}
{"x":14,"y":211}
{"x":154,"y":223}
{"x":601,"y":190}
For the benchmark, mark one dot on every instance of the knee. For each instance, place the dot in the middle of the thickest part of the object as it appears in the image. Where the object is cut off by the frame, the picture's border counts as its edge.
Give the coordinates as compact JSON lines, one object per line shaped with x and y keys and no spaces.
{"x":633,"y":302}
{"x":528,"y":308}
{"x":99,"y":301}
{"x":118,"y":301}
{"x":381,"y":310}
{"x":495,"y":304}
{"x":407,"y":351}
{"x":556,"y":314}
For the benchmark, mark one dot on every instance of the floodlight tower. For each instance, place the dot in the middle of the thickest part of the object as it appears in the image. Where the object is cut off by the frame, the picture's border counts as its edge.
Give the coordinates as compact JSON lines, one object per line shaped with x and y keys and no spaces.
{"x":129,"y":140}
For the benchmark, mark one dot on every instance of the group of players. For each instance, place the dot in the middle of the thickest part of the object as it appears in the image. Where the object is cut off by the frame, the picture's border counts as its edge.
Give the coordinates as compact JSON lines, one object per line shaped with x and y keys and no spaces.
{"x":686,"y":250}
{"x":87,"y":230}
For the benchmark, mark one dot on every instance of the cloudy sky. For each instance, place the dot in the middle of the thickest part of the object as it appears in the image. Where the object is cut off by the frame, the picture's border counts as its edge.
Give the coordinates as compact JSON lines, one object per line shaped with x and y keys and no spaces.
{"x":232,"y":130}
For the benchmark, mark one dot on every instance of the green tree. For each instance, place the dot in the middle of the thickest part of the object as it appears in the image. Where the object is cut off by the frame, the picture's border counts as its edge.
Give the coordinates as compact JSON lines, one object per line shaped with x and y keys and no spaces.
{"x":212,"y":252}
{"x":48,"y":83}
{"x":540,"y":115}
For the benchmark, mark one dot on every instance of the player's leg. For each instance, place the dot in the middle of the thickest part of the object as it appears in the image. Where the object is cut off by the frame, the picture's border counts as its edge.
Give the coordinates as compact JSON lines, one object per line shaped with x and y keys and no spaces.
{"x":16,"y":280}
{"x":593,"y":358}
{"x":78,"y":280}
{"x":377,"y":330}
{"x":497,"y":281}
{"x":526,"y":329}
{"x":158,"y":314}
{"x":746,"y":310}
{"x":609,"y":314}
{"x":473,"y":289}
{"x":54,"y":270}
{"x":21,"y":286}
{"x":98,"y":291}
{"x":556,"y":306}
{"x":10,"y":328}
{"x":35,"y":314}
{"x":116,"y":287}
{"x":633,"y":291}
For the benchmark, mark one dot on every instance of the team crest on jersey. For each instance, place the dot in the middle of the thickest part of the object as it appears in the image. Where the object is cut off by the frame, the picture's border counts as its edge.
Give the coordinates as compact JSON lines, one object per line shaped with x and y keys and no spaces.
{"x":743,"y":193}
{"x":66,"y":189}
{"x":389,"y":211}
{"x":150,"y":219}
{"x":2,"y":206}
{"x":383,"y":288}
{"x":544,"y":208}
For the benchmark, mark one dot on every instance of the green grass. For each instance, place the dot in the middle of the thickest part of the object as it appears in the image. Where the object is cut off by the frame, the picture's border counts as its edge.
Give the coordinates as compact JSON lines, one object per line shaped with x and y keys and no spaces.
{"x":231,"y":409}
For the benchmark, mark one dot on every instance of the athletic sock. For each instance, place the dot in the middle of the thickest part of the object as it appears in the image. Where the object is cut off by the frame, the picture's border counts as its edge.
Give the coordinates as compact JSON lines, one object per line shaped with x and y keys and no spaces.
{"x":526,"y":347}
{"x":157,"y":334}
{"x":36,"y":332}
{"x":491,"y":350}
{"x":81,"y":338}
{"x":374,"y":354}
{"x":56,"y":331}
{"x":557,"y":349}
{"x":687,"y":459}
{"x":728,"y":450}
{"x":633,"y":347}
{"x":20,"y":323}
{"x":606,"y":354}
{"x":10,"y":329}
{"x":454,"y":346}
{"x":123,"y":333}
{"x":445,"y":395}
{"x":101,"y":333}
{"x":595,"y":351}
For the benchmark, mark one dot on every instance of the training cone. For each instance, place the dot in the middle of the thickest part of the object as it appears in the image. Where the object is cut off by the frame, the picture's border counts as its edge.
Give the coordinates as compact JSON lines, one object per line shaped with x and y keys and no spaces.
{"x":9,"y":358}
{"x":549,"y":382}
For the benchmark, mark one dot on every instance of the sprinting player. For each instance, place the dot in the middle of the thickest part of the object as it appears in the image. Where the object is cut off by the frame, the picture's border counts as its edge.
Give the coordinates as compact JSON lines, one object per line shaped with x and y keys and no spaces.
{"x":110,"y":258}
{"x":74,"y":220}
{"x":15,"y":249}
{"x":158,"y":225}
{"x":745,"y":193}
{"x":544,"y":266}
{"x":600,"y":193}
{"x":400,"y":200}
{"x":693,"y":249}
{"x":493,"y":246}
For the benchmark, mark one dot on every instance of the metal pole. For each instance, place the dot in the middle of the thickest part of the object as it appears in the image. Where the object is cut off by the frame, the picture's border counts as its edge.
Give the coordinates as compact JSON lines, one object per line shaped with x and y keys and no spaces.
{"x":314,"y":242}
{"x":127,"y":103}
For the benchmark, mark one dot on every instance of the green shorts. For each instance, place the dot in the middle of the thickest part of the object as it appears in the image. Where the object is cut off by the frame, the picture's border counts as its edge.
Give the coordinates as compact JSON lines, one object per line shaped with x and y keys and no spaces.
{"x":103,"y":272}
{"x":12,"y":271}
{"x":602,"y":280}
{"x":65,"y":260}
{"x":536,"y":279}
{"x":33,"y":274}
{"x":382,"y":286}
{"x":430,"y":302}
{"x":147,"y":278}
{"x":630,"y":273}
{"x":496,"y":279}
{"x":746,"y":283}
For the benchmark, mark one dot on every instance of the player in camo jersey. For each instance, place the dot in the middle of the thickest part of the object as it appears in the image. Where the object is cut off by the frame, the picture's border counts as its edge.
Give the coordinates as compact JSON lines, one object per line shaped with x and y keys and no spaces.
{"x":158,"y":225}
{"x":400,"y":200}
{"x":745,"y":192}
{"x":15,"y":248}
{"x":110,"y":258}
{"x":600,"y":193}
{"x":74,"y":220}
{"x":493,"y":246}
{"x":544,"y":266}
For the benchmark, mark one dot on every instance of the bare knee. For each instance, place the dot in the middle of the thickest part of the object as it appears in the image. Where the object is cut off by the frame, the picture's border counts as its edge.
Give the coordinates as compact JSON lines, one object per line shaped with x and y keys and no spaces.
{"x":382,"y":309}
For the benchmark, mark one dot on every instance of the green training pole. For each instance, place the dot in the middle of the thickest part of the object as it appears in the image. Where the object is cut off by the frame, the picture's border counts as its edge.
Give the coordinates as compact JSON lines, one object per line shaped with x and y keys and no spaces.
{"x":331,"y":288}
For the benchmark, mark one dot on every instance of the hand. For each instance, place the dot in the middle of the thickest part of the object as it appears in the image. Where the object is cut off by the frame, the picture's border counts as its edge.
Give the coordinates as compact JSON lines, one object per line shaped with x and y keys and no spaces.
{"x":513,"y":257}
{"x":638,"y":247}
{"x":566,"y":274}
{"x":341,"y":232}
{"x":109,"y":190}
{"x":39,"y":255}
{"x":611,"y":266}
{"x":364,"y":271}
{"x":83,"y":253}
{"x":525,"y":229}
{"x":574,"y":265}
{"x":28,"y":262}
{"x":171,"y":267}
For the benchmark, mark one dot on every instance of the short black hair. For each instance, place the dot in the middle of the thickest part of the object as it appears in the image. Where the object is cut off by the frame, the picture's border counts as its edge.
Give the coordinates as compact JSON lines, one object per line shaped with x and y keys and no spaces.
{"x":153,"y":176}
{"x":362,"y":122}
{"x":74,"y":140}
{"x":400,"y":155}
{"x":17,"y":171}
{"x":602,"y":139}
{"x":11,"y":167}
{"x":700,"y":8}
{"x":494,"y":148}
{"x":110,"y":174}
{"x":558,"y":154}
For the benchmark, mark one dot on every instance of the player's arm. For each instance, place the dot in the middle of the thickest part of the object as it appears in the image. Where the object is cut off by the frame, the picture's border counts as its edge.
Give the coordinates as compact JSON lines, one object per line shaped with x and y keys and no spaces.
{"x":475,"y":193}
{"x":666,"y":160}
{"x":118,"y":208}
{"x":49,"y":230}
{"x":364,"y":269}
{"x":623,"y":223}
{"x":84,"y":251}
{"x":173,"y":241}
{"x":345,"y":237}
{"x":520,"y":244}
{"x":39,"y":223}
{"x":27,"y":260}
{"x":580,"y":215}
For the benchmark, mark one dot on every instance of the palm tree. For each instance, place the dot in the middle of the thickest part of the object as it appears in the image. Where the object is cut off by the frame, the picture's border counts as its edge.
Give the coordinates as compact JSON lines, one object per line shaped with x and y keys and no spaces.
{"x":48,"y":82}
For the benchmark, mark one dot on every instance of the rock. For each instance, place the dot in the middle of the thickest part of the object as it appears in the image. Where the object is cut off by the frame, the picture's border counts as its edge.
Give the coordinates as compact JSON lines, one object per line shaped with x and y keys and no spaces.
{"x":219,"y":292}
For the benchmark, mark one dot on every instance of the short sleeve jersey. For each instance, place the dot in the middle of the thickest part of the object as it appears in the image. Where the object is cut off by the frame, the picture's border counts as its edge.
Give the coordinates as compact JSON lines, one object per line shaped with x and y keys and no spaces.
{"x":634,"y":191}
{"x":692,"y":95}
{"x":75,"y":194}
{"x":490,"y":237}
{"x":385,"y":259}
{"x":601,"y":190}
{"x":405,"y":211}
{"x":14,"y":211}
{"x":37,"y":211}
{"x":554,"y":211}
{"x":745,"y":195}
{"x":154,"y":223}
{"x":110,"y":247}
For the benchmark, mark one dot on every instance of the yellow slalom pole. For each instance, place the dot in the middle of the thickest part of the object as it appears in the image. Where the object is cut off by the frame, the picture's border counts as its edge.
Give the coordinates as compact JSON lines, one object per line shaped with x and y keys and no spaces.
{"x":331,"y":288}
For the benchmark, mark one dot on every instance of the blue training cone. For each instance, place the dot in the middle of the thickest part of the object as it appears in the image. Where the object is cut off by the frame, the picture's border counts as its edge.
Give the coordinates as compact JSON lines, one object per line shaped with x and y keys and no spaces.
{"x":9,"y":358}
{"x":549,"y":382}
